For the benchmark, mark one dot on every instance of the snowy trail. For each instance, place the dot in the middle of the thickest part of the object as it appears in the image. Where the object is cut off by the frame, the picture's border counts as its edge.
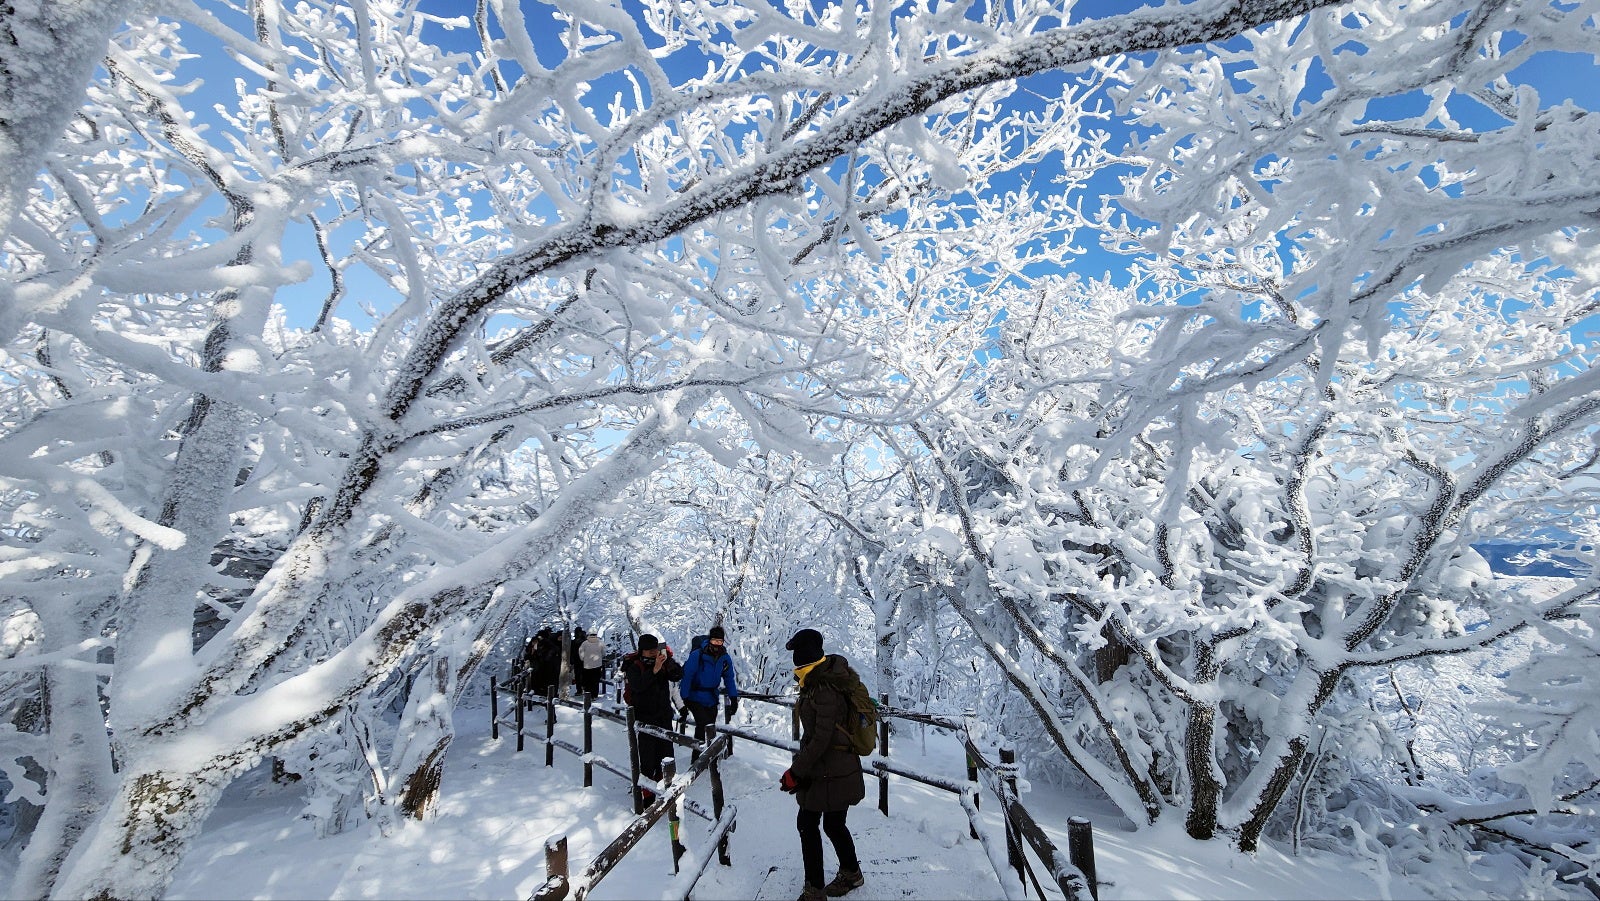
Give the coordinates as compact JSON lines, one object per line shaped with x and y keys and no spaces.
{"x":498,"y":807}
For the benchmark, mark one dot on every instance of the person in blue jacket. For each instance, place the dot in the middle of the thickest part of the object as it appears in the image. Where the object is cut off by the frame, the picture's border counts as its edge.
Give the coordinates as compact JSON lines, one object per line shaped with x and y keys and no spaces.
{"x":708,"y":670}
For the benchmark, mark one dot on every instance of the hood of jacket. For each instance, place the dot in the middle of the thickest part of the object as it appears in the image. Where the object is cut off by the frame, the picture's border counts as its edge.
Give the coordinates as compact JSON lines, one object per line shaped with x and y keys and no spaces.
{"x":833,"y":671}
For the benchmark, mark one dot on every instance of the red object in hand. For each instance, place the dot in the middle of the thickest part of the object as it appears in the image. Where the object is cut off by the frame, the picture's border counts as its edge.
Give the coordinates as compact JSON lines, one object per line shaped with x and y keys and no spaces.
{"x":787,"y":782}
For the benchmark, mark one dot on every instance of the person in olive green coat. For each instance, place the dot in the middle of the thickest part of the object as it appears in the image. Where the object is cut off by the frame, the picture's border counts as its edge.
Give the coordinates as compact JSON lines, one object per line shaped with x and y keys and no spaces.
{"x":825,"y":775}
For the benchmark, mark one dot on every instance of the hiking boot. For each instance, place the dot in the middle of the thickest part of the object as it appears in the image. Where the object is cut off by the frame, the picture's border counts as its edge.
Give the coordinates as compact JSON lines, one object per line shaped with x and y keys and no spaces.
{"x":812,"y":893}
{"x":846,"y":882}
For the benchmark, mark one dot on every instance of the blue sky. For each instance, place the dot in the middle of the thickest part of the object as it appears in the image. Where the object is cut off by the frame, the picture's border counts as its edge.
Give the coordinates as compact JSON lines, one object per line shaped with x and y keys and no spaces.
{"x":1556,"y":75}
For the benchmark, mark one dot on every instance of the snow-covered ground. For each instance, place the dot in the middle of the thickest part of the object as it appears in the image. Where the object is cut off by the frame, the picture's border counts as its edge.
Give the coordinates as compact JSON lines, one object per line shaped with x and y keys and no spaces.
{"x":498,"y":807}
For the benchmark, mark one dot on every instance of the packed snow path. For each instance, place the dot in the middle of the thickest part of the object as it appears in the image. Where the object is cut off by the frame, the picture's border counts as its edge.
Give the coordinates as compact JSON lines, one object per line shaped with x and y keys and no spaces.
{"x":902,"y":857}
{"x":498,"y":807}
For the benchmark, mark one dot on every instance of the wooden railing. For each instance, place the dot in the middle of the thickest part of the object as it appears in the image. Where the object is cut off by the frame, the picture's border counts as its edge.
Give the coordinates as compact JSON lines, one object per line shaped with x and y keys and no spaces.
{"x":559,"y":884}
{"x":670,"y":794}
{"x":1072,"y":873}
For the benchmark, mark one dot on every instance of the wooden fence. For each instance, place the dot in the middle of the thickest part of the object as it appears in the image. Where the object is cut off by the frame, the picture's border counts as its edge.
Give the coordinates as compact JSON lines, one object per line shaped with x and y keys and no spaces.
{"x":559,"y":883}
{"x":670,"y":795}
{"x":1073,"y":873}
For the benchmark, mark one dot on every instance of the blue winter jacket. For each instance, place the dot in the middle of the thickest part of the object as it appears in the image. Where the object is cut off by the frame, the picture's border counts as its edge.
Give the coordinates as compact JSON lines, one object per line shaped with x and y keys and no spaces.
{"x":701,"y":673}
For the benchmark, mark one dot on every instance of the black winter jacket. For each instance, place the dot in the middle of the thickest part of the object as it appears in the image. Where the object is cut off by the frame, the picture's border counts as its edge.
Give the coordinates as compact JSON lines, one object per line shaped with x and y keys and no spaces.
{"x":651,"y":690}
{"x":828,"y":770}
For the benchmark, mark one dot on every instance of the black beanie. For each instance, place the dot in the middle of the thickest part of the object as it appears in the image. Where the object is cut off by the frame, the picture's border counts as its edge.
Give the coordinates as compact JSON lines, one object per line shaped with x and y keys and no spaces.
{"x":806,"y":645}
{"x":716,"y":632}
{"x":648,"y":642}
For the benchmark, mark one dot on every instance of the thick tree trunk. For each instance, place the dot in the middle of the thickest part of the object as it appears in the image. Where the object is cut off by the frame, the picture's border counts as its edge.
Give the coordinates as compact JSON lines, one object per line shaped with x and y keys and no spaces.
{"x":428,"y":726}
{"x":1204,"y":789}
{"x":1282,"y":775}
{"x":426,"y":730}
{"x":1111,"y":656}
{"x":78,"y":784}
{"x":139,"y":840}
{"x":883,"y":606}
{"x":1260,"y":794}
{"x":29,"y":715}
{"x":47,"y":53}
{"x":168,"y":581}
{"x":421,"y":788}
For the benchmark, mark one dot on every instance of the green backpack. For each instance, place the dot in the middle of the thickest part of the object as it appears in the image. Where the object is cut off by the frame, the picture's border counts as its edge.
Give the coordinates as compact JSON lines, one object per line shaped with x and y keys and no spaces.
{"x":863,"y":732}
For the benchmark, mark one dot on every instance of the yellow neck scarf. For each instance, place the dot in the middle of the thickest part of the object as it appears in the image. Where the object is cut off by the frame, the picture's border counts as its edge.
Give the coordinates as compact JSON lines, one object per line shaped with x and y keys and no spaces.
{"x":801,"y":671}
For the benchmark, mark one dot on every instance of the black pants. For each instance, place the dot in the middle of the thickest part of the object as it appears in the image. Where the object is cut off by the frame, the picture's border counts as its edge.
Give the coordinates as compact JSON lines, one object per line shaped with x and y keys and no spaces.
{"x":703,"y":717}
{"x":651,"y":752}
{"x":589,"y":681}
{"x":844,"y":847}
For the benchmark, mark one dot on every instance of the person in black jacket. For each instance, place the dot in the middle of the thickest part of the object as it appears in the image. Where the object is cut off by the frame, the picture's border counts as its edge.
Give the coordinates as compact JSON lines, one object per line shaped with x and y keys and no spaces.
{"x":649,"y":675}
{"x":825,"y":774}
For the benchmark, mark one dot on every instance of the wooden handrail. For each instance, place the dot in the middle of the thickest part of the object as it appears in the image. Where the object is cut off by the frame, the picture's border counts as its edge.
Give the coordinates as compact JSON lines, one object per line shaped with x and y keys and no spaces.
{"x":1064,"y":870}
{"x":899,"y":713}
{"x":557,"y":885}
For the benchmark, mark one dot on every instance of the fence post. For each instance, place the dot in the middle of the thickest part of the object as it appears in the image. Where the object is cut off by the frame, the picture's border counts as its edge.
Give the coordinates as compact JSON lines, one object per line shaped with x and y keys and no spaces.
{"x":669,"y":772}
{"x":556,"y":885}
{"x":550,"y":726}
{"x":633,"y":758}
{"x":520,"y":715}
{"x":972,"y":776}
{"x":1007,"y":770}
{"x":883,"y":751}
{"x":716,"y":796}
{"x":494,"y":710}
{"x":1080,"y":849}
{"x":588,"y":740}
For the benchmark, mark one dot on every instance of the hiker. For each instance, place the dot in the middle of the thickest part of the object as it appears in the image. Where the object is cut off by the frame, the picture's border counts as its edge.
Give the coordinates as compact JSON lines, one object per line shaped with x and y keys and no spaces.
{"x":825,"y":774}
{"x":530,"y":666}
{"x":536,"y":659}
{"x":648,"y":675}
{"x":591,"y":663}
{"x":547,"y":665}
{"x":567,"y":661}
{"x":708,"y":671}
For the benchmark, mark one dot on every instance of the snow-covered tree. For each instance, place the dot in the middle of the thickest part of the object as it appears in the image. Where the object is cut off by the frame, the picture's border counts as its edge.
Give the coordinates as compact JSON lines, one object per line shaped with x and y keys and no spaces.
{"x":591,"y":234}
{"x":631,"y":209}
{"x":1186,"y":510}
{"x":1199,"y":604}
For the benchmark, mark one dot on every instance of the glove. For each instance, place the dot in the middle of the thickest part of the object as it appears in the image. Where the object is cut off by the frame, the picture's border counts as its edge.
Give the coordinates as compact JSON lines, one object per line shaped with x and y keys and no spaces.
{"x":733,"y":705}
{"x":788,"y":783}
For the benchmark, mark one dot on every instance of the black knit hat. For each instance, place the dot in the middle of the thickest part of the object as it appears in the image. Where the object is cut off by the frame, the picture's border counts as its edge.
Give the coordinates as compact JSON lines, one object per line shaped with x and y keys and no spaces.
{"x":716,"y":632}
{"x":807,"y":641}
{"x":648,"y":642}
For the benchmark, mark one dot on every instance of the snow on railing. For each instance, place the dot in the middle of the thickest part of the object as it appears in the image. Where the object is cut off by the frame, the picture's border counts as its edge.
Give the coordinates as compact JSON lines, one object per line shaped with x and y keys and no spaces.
{"x":669,"y":800}
{"x":1073,"y":873}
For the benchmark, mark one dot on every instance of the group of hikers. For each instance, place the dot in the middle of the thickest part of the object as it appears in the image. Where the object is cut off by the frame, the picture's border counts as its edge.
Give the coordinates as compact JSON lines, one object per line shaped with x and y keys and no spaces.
{"x":542,"y":658}
{"x":825,"y":774}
